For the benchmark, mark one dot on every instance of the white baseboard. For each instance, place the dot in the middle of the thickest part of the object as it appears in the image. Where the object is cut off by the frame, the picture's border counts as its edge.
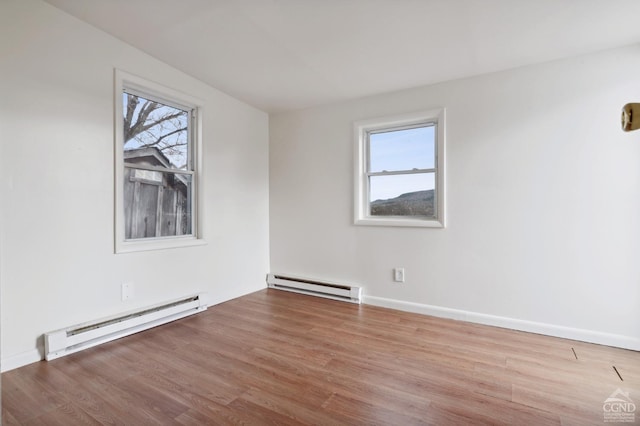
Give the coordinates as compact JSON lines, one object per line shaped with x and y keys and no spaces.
{"x":20,"y":360}
{"x":616,"y":340}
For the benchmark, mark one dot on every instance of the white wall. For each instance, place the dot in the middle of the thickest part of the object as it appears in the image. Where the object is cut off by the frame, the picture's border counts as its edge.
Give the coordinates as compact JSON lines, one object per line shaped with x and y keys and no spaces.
{"x":57,"y":190}
{"x":543,"y":229}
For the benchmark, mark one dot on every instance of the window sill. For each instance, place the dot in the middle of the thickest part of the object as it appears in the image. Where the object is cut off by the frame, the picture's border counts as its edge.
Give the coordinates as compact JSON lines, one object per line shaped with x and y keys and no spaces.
{"x":158,"y":244}
{"x":398,"y":222}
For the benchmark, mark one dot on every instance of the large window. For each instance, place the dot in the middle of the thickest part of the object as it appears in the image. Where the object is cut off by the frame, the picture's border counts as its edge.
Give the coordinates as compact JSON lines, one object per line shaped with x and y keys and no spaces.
{"x":156,"y":166}
{"x":400,"y":170}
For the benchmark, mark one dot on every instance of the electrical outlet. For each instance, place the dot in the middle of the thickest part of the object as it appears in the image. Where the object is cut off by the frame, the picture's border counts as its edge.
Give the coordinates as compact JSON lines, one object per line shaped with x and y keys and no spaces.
{"x":127,"y":291}
{"x":398,"y":275}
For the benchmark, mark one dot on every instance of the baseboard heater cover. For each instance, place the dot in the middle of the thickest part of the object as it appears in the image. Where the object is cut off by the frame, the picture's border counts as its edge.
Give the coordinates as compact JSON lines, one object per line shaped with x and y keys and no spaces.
{"x":83,"y":336}
{"x":312,"y":287}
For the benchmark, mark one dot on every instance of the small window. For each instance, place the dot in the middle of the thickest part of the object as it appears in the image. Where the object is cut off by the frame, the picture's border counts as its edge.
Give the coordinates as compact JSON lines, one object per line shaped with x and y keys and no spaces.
{"x":156,"y":167}
{"x":400,"y":171}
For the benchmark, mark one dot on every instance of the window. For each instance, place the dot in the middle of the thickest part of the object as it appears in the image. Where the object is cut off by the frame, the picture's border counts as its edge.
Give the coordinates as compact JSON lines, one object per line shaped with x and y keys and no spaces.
{"x":400,"y":170}
{"x":157,"y":138}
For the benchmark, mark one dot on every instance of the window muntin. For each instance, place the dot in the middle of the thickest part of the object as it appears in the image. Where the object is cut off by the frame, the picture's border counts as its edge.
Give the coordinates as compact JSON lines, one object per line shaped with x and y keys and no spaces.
{"x":400,"y":170}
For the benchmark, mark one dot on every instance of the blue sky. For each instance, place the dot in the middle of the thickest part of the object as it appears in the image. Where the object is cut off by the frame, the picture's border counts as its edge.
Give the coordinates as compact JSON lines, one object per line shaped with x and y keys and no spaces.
{"x":401,"y":150}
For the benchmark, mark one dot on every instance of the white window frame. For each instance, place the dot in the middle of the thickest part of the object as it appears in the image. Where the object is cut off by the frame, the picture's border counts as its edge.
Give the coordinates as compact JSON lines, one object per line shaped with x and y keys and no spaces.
{"x":124,"y":80}
{"x":361,"y":191}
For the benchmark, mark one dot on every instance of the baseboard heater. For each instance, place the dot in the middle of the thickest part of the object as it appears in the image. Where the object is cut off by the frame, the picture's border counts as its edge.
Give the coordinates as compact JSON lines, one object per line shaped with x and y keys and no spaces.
{"x":83,"y":336}
{"x":346,"y":293}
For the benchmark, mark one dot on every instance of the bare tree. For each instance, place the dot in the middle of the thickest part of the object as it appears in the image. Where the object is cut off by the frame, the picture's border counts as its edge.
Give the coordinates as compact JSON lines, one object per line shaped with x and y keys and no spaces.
{"x":150,"y":124}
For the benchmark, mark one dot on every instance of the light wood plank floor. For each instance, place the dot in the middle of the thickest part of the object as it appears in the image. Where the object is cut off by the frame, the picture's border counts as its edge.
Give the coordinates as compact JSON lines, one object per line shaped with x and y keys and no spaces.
{"x":279,"y":358}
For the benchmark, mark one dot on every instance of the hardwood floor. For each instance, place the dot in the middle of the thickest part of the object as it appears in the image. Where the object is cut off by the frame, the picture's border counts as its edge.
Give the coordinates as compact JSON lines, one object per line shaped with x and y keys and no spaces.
{"x":279,"y":358}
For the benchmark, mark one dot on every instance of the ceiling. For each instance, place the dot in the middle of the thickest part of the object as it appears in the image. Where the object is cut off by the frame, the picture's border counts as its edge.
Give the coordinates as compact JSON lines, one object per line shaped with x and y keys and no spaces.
{"x":283,"y":55}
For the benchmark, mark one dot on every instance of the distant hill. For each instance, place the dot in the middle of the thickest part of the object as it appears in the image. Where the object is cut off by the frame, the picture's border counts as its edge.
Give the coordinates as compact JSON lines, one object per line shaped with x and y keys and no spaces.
{"x":419,"y":203}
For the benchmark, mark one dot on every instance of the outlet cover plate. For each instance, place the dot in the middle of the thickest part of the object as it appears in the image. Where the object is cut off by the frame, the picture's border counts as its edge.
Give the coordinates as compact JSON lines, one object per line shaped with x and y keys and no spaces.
{"x":398,"y":275}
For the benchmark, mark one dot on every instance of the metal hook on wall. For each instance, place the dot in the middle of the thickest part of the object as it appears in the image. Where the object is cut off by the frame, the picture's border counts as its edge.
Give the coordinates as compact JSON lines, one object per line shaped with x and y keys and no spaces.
{"x":630,"y":117}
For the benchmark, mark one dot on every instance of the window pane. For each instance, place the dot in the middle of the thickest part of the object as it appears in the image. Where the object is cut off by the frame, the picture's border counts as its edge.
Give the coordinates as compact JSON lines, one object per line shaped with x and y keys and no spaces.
{"x":156,"y":204}
{"x":406,"y":149}
{"x":402,"y":195}
{"x":156,"y":131}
